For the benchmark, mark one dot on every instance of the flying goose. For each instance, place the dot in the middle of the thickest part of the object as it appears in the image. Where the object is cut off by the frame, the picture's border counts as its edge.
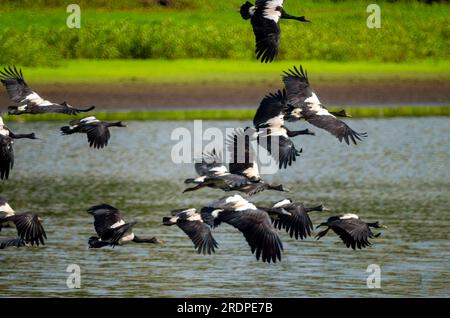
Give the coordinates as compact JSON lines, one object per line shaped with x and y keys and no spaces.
{"x":265,"y":17}
{"x":192,"y":224}
{"x":243,"y":177}
{"x":351,"y":229}
{"x":305,"y":104}
{"x":97,"y":131}
{"x":6,"y":148}
{"x":253,"y":223}
{"x":296,"y":221}
{"x":29,"y":102}
{"x":271,"y":132}
{"x":28,"y":225}
{"x":112,"y":229}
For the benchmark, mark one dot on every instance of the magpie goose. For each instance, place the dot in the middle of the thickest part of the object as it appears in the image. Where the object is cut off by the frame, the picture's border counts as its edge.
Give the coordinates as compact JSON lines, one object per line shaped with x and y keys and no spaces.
{"x":265,"y":17}
{"x":296,"y":221}
{"x":351,"y":229}
{"x":305,"y":104}
{"x":253,"y":223}
{"x":271,"y":132}
{"x":6,"y":148}
{"x":28,"y":225}
{"x":213,"y":173}
{"x":111,"y":228}
{"x":29,"y":102}
{"x":97,"y":131}
{"x":192,"y":224}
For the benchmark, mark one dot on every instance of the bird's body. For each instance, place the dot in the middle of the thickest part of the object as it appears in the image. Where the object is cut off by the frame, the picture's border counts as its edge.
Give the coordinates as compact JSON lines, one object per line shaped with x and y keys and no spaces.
{"x":28,"y":101}
{"x":6,"y":148}
{"x":97,"y":131}
{"x":242,"y":174}
{"x":111,"y":228}
{"x":265,"y":18}
{"x":271,"y":132}
{"x":28,"y":225}
{"x":354,"y":232}
{"x":253,"y":223}
{"x":304,"y":103}
{"x":192,"y":224}
{"x":296,"y":221}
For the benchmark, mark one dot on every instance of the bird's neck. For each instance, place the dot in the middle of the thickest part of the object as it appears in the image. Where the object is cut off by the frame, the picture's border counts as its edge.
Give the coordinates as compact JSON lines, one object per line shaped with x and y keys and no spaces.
{"x":287,"y":16}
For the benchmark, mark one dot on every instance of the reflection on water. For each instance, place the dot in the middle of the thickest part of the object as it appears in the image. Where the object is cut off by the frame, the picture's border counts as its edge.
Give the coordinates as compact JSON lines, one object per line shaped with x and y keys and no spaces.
{"x":399,"y":175}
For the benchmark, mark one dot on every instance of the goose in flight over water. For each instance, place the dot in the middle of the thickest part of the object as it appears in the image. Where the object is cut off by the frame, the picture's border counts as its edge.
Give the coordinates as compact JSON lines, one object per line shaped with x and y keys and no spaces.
{"x":241,"y":176}
{"x":296,"y":221}
{"x":255,"y":224}
{"x":29,"y":102}
{"x":305,"y":104}
{"x":28,"y":225}
{"x":6,"y":148}
{"x":265,"y":17}
{"x":351,"y":229}
{"x":271,"y":132}
{"x":192,"y":224}
{"x":111,"y":228}
{"x":97,"y":131}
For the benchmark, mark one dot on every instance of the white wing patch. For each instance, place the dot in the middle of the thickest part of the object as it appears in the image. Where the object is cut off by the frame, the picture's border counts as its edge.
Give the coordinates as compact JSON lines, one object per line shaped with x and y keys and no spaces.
{"x":349,"y":216}
{"x":219,"y":170}
{"x":281,"y":203}
{"x":270,"y":10}
{"x":117,"y":224}
{"x":6,"y":209}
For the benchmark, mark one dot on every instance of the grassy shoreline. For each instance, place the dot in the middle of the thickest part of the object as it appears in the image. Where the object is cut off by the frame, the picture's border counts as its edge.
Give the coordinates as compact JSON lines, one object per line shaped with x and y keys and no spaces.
{"x":231,"y":114}
{"x":221,"y":71}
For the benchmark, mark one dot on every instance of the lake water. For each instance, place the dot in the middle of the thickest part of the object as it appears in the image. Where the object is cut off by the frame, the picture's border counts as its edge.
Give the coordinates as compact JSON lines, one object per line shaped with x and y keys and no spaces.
{"x":400,"y":176}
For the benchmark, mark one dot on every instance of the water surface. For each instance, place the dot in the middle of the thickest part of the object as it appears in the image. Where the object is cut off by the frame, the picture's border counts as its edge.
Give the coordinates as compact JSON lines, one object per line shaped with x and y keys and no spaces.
{"x":399,"y":176}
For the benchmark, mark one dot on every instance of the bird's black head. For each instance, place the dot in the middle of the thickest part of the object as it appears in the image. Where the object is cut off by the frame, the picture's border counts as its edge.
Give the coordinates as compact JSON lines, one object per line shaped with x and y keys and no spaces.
{"x":278,"y":187}
{"x":303,"y":19}
{"x":341,"y":113}
{"x":377,"y":225}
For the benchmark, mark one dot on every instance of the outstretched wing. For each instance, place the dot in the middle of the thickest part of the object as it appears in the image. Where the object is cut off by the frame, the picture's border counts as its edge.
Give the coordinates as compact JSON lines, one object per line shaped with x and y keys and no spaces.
{"x":243,"y":157}
{"x":29,"y":228}
{"x":298,"y":224}
{"x":211,"y":164}
{"x":16,"y":242}
{"x":353,"y":232}
{"x":297,"y":86}
{"x":200,"y":235}
{"x":6,"y":156}
{"x":271,"y":110}
{"x":266,"y":28}
{"x":334,"y":126}
{"x":105,"y":218}
{"x":258,"y":230}
{"x":15,"y":85}
{"x":98,"y":135}
{"x":280,"y":146}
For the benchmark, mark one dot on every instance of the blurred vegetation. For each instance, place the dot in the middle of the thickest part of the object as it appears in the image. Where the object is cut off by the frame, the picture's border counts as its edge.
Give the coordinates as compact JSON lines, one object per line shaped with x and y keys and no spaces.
{"x":232,"y":114}
{"x":34,"y":32}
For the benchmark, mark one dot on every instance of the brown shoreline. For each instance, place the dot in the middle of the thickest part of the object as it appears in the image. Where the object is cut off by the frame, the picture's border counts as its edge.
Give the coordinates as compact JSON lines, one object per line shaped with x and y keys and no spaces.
{"x":150,"y":96}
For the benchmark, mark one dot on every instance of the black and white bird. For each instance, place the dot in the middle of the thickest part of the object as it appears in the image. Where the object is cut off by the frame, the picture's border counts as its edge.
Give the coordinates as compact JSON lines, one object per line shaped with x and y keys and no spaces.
{"x":271,"y":132}
{"x":255,"y":224}
{"x":192,"y":224}
{"x":111,"y":228}
{"x":296,"y":221}
{"x":241,"y":176}
{"x":305,"y":104}
{"x":6,"y":148}
{"x":265,"y":17}
{"x":29,"y":102}
{"x":351,"y":229}
{"x":28,"y":225}
{"x":97,"y":131}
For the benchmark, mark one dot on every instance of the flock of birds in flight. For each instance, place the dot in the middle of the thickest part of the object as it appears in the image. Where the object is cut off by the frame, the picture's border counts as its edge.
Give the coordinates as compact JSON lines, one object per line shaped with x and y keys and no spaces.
{"x":258,"y":224}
